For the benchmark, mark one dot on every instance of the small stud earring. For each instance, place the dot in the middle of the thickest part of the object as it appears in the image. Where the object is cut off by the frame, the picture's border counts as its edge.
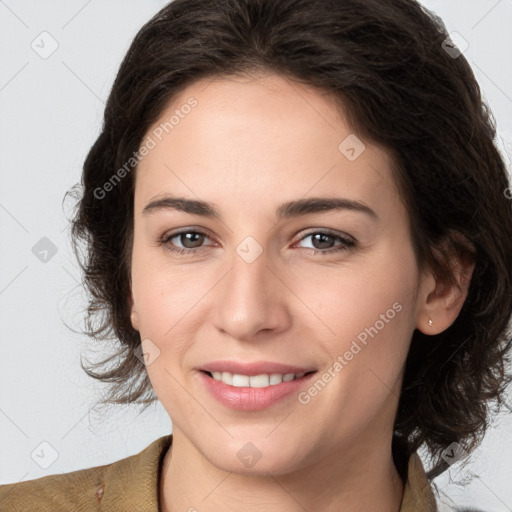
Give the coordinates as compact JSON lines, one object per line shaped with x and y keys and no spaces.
{"x":430,"y":322}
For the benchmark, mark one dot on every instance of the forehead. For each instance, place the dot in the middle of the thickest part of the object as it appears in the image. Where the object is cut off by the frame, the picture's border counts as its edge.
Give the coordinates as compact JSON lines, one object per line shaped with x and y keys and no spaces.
{"x":264,"y":137}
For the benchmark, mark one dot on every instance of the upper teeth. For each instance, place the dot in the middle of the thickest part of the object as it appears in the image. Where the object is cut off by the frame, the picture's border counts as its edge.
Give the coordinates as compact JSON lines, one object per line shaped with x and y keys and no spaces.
{"x":255,"y":381}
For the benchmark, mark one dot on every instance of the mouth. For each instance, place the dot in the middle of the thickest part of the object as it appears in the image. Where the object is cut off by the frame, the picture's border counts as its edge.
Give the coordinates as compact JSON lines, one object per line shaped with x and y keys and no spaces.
{"x":263,"y":380}
{"x":251,"y":393}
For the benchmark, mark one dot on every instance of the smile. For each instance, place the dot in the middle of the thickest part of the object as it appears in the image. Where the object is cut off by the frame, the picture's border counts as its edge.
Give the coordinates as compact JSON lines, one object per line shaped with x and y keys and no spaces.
{"x":252,"y":392}
{"x":254,"y":381}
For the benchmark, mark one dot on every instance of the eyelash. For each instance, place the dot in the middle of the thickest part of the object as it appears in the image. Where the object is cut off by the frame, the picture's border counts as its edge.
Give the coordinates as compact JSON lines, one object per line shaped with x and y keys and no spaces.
{"x":344,"y":246}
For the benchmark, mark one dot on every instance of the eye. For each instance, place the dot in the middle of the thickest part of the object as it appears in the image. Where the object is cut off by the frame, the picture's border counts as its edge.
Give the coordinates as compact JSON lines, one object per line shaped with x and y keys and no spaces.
{"x":322,"y":242}
{"x":191,"y":241}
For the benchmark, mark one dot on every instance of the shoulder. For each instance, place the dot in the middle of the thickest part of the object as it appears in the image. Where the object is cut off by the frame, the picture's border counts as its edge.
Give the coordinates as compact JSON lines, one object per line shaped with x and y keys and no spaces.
{"x":58,"y":491}
{"x":132,"y":480}
{"x":422,"y":495}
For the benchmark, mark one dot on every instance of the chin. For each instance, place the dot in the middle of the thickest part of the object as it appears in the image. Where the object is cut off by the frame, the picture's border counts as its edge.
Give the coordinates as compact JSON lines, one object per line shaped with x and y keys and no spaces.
{"x":256,"y":458}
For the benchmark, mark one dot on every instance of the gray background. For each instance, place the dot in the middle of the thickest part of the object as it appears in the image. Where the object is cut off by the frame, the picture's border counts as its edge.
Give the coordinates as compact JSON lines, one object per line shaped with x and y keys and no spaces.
{"x":51,"y":111}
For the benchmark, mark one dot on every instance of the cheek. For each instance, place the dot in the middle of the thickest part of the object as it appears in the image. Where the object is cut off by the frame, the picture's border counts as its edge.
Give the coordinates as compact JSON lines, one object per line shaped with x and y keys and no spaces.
{"x":354,"y":296}
{"x":367,"y":320}
{"x":169,"y":302}
{"x":364,"y":312}
{"x":164,"y":293}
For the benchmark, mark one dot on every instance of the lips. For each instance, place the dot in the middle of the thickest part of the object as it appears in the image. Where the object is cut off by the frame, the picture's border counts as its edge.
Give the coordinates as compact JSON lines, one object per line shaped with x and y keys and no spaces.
{"x":218,"y":378}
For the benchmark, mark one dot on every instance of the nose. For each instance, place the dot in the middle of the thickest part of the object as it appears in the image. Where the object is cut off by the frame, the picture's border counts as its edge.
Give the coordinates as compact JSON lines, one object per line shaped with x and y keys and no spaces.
{"x":252,"y":300}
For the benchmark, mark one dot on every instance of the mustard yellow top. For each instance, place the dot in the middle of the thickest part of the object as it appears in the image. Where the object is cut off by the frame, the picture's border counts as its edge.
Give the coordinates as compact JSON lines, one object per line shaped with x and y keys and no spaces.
{"x":132,"y":484}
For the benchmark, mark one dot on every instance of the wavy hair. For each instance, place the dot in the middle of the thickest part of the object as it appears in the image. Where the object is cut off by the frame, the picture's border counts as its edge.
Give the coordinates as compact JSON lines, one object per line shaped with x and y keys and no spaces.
{"x":384,"y":61}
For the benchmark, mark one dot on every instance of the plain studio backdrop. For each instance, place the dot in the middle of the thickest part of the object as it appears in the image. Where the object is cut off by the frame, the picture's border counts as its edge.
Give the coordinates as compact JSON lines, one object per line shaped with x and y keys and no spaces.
{"x":52,"y":96}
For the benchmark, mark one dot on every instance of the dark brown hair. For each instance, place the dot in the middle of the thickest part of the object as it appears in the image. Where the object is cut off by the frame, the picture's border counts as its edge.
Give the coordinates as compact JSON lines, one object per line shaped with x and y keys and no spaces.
{"x":384,"y":60}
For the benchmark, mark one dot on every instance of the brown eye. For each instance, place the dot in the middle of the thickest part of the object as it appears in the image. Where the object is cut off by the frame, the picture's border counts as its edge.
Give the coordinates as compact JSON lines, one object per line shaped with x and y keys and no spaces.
{"x":191,"y":239}
{"x":186,"y":241}
{"x":324,"y":242}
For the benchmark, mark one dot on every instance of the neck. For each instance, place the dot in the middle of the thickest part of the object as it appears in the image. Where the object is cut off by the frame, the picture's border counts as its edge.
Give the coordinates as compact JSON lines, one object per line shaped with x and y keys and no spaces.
{"x":359,"y":478}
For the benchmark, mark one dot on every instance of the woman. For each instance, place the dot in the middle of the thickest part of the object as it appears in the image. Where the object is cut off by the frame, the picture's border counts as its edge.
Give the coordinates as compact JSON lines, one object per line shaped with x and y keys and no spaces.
{"x":296,"y":219}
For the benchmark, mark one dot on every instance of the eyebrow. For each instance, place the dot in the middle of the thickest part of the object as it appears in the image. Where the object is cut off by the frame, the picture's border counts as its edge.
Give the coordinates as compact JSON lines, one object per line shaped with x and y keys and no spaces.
{"x":286,"y":210}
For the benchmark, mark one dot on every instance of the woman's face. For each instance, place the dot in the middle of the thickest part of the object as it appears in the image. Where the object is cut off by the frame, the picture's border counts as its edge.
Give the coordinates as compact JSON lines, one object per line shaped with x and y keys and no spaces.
{"x":252,"y":289}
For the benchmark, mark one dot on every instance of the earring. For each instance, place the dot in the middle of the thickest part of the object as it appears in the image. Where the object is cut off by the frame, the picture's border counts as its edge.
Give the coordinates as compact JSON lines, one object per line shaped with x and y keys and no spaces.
{"x":430,"y":322}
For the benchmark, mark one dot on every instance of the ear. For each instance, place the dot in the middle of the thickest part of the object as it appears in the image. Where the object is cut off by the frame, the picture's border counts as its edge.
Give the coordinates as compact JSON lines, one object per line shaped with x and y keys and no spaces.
{"x":440,"y":301}
{"x":133,"y":315}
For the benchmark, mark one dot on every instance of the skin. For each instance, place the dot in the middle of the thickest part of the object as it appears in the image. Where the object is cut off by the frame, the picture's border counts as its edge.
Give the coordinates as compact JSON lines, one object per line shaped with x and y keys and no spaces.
{"x":248,"y":146}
